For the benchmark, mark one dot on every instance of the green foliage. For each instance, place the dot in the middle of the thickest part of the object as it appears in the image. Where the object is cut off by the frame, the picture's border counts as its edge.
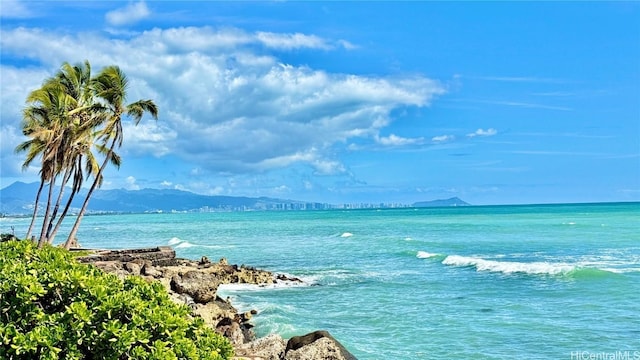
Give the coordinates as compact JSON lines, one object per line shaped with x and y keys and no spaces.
{"x":52,"y":307}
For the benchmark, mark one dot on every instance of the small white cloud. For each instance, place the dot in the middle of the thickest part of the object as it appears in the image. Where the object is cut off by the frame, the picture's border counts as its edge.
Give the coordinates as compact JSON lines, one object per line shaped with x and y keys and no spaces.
{"x":347,"y":45}
{"x":166,"y":183}
{"x":282,"y":189}
{"x":129,"y":14}
{"x":442,"y":138}
{"x":291,"y":41}
{"x":482,"y":132}
{"x":131,"y":183}
{"x":395,"y":140}
{"x":328,"y":167}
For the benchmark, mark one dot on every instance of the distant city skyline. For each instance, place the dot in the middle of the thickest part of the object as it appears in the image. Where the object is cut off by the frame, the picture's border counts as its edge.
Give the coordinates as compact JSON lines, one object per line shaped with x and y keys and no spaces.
{"x":352,"y":102}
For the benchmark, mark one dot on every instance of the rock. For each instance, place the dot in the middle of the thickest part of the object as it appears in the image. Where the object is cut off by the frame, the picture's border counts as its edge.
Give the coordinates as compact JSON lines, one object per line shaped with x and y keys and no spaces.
{"x":270,"y":347}
{"x":133,"y":268}
{"x":231,"y":330}
{"x":194,"y":283}
{"x":199,"y":285}
{"x":150,"y":270}
{"x":214,"y":311}
{"x":74,"y":244}
{"x":316,"y":345}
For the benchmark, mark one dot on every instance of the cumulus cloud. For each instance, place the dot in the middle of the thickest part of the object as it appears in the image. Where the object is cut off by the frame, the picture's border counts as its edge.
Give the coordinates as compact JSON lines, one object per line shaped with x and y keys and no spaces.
{"x":131,"y":183}
{"x":129,"y":14}
{"x":482,"y":132}
{"x":443,"y":138}
{"x":225,"y":104}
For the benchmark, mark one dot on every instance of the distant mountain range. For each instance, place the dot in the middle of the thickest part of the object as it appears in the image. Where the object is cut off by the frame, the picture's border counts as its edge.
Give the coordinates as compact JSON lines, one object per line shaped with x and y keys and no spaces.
{"x":17,"y":199}
{"x":454,"y":201}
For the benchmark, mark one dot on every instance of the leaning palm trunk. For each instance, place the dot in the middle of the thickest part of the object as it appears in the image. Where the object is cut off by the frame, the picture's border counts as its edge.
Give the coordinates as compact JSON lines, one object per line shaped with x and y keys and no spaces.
{"x":94,"y":185}
{"x":54,"y":214}
{"x":47,"y":211}
{"x":62,"y":216}
{"x":77,"y":184}
{"x":35,"y":210}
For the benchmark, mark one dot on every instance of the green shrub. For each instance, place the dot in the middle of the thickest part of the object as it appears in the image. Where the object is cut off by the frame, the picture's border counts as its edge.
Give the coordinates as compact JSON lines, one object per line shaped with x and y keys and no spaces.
{"x":52,"y":307}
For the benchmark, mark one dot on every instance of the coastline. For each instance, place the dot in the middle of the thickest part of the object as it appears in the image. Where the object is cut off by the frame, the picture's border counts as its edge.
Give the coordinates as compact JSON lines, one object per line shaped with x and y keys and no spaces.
{"x":195,"y":284}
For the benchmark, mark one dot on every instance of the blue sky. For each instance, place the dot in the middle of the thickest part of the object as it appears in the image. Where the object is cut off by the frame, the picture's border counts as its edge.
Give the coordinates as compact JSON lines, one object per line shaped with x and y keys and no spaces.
{"x":493,"y":102}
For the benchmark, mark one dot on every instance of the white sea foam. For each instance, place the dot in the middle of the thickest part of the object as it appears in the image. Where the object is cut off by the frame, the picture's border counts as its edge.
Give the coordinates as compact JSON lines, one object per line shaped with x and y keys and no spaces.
{"x":184,"y":244}
{"x":425,"y":255}
{"x":346,"y":235}
{"x":174,"y":240}
{"x":228,"y":288}
{"x":508,"y":267}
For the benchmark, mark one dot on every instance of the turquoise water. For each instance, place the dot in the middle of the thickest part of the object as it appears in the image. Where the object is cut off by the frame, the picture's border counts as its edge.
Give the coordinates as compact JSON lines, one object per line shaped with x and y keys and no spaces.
{"x":538,"y":282}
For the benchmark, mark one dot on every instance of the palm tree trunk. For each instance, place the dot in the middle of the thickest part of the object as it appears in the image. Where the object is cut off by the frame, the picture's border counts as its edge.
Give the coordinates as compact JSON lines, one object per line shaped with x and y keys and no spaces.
{"x":77,"y":184}
{"x":94,"y":185}
{"x":62,"y":216}
{"x":65,"y":179}
{"x":35,"y":209}
{"x":43,"y":239}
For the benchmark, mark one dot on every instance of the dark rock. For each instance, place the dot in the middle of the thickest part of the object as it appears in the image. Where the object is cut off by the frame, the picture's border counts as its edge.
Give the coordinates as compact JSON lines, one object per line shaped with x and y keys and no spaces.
{"x":316,"y":345}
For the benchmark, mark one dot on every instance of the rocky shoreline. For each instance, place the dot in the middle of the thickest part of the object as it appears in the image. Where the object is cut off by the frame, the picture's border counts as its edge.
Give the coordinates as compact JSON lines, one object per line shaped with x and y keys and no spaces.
{"x":195,"y":283}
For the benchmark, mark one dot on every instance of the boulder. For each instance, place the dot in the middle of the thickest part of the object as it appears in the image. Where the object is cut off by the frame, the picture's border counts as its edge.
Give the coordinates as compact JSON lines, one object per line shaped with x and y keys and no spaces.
{"x":133,"y":267}
{"x":316,"y":345}
{"x":270,"y":347}
{"x":199,"y":285}
{"x":231,"y":330}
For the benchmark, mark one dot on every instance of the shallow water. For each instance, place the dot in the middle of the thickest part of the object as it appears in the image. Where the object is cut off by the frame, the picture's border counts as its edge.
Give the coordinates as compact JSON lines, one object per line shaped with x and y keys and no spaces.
{"x":541,"y":282}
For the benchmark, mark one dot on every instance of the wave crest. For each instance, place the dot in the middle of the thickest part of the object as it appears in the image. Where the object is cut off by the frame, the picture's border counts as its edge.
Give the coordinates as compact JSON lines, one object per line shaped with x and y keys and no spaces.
{"x":509,"y":267}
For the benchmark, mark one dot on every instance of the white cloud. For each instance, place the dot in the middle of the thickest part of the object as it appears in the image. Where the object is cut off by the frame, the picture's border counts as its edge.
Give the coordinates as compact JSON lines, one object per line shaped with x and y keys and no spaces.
{"x":166,"y":183}
{"x":129,"y":14}
{"x":131,"y":183}
{"x":224,"y":104}
{"x":482,"y":132}
{"x":394,"y":140}
{"x":443,"y":138}
{"x":14,"y":9}
{"x":291,"y":41}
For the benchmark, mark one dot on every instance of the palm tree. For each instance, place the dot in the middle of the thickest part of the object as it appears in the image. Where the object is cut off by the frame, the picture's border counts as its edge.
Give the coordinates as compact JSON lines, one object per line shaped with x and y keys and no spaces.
{"x":79,"y":134}
{"x":110,"y":87}
{"x":60,"y":120}
{"x":43,"y":124}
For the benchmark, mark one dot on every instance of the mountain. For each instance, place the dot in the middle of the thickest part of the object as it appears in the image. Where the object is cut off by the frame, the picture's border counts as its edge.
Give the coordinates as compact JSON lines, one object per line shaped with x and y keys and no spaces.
{"x":18,"y":198}
{"x":454,"y":201}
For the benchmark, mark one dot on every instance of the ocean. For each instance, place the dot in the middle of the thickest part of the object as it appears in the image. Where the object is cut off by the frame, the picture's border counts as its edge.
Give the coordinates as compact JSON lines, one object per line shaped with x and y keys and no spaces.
{"x":482,"y":282}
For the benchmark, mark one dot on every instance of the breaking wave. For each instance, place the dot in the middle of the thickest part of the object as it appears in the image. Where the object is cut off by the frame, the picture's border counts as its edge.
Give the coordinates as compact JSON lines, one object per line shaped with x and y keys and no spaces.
{"x":573,"y":270}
